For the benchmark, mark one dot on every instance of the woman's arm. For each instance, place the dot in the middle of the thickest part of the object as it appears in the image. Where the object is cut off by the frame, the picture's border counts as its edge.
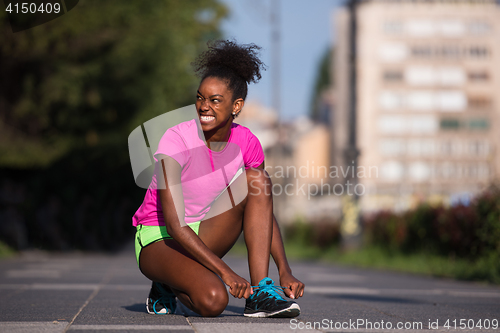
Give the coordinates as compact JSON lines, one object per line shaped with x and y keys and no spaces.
{"x":294,"y":288}
{"x":172,"y":202}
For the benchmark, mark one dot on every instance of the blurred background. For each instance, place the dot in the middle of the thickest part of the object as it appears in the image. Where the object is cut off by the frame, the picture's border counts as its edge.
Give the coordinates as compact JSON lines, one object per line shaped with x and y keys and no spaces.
{"x":379,"y":120}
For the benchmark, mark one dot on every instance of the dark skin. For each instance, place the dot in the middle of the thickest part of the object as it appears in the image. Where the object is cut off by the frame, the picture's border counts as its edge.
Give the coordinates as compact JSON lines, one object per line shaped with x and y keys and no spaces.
{"x":191,"y":264}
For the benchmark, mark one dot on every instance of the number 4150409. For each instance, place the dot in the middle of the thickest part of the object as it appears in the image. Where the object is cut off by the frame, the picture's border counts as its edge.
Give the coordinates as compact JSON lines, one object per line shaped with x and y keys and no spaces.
{"x":31,"y":7}
{"x":471,"y":324}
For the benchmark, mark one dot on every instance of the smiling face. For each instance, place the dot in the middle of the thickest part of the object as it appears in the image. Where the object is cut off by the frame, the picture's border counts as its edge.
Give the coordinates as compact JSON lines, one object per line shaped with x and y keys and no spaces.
{"x":215,"y":106}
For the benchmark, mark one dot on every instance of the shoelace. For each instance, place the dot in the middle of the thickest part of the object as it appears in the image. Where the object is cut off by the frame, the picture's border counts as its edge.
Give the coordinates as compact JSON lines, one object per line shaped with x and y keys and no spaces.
{"x":163,"y":300}
{"x":165,"y":297}
{"x":271,"y":289}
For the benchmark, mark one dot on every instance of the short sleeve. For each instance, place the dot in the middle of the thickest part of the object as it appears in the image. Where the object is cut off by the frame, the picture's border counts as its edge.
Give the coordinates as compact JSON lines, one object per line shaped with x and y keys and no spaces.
{"x":254,"y":154}
{"x":173,"y":145}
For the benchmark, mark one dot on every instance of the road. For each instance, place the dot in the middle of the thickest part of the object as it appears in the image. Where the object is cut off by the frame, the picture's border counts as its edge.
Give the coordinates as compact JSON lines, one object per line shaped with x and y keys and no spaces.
{"x":81,"y":292}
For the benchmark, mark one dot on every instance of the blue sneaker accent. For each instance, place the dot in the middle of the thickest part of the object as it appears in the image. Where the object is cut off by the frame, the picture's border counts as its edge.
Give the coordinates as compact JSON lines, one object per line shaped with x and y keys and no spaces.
{"x":160,"y":301}
{"x":267,"y":302}
{"x":267,"y":285}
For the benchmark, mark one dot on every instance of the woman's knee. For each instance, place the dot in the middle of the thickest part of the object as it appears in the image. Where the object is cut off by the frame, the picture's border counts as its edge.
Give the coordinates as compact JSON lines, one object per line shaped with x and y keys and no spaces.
{"x":212,"y":301}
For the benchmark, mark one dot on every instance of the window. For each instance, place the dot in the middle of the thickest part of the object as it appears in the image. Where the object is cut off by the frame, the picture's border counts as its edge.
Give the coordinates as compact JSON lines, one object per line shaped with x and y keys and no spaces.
{"x":446,"y":148}
{"x":479,"y":28}
{"x":427,"y":76}
{"x":421,"y":51}
{"x":393,"y":27}
{"x":472,"y":171}
{"x":483,"y":170}
{"x":478,"y":148}
{"x":474,"y":147}
{"x":451,"y":28}
{"x":419,"y":147}
{"x":419,"y":171}
{"x":392,"y":147}
{"x":452,"y":101}
{"x":454,"y":52}
{"x":402,"y":125}
{"x":478,"y":52}
{"x":448,"y":170}
{"x":414,"y":148}
{"x":427,"y":147}
{"x":449,"y":124}
{"x":479,"y":102}
{"x":421,"y":100}
{"x":451,"y":76}
{"x":390,"y":100}
{"x":426,"y":100}
{"x":420,"y":28}
{"x":456,"y":148}
{"x":484,"y":148}
{"x":449,"y":51}
{"x":420,"y":76}
{"x":479,"y":124}
{"x":393,"y":52}
{"x":423,"y":124}
{"x":392,"y":76}
{"x":478,"y":76}
{"x":460,"y":171}
{"x":392,"y":124}
{"x":392,"y":171}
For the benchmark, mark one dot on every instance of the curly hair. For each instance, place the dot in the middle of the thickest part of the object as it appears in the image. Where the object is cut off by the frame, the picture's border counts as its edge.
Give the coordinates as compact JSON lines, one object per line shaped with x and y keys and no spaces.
{"x":237,"y":64}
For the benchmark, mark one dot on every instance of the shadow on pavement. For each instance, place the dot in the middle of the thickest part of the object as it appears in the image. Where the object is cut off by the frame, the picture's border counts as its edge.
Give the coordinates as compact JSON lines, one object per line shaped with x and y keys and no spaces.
{"x":139,"y":307}
{"x":236,"y":309}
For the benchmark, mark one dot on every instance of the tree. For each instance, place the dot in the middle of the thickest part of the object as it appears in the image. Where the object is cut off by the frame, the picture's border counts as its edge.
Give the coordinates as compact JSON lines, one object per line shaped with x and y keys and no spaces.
{"x":92,"y":75}
{"x":71,"y":91}
{"x":323,"y":81}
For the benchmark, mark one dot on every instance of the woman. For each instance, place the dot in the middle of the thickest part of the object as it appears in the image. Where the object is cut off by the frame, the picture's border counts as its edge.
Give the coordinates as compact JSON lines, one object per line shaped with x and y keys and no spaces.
{"x":195,"y":162}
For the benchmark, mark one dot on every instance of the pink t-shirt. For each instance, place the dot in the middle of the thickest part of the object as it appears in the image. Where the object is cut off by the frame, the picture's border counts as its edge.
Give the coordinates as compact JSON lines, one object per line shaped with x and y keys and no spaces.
{"x":205,"y":173}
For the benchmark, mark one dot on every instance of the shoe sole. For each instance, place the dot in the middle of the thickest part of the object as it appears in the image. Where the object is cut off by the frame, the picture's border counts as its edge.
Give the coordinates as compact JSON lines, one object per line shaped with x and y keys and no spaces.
{"x":292,"y":311}
{"x":161,"y":312}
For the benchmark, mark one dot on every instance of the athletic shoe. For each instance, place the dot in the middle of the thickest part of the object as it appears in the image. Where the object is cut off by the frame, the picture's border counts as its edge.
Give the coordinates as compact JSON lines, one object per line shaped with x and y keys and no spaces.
{"x":266,"y":302}
{"x":160,"y":301}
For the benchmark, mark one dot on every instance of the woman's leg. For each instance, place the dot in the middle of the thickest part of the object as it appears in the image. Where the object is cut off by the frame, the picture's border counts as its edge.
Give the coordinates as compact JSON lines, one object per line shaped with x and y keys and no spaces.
{"x":254,"y":215}
{"x":197,"y":287}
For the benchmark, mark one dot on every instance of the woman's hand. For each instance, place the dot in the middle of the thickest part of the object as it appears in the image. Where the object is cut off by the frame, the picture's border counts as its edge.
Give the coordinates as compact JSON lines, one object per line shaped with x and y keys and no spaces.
{"x":292,"y":287}
{"x":238,"y":286}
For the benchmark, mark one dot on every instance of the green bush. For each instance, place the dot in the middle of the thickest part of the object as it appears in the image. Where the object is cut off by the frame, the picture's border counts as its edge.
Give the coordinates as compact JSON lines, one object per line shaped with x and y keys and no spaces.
{"x":469,"y":232}
{"x":76,"y":87}
{"x":461,"y":241}
{"x":488,"y":209}
{"x":85,"y":200}
{"x":321,"y":234}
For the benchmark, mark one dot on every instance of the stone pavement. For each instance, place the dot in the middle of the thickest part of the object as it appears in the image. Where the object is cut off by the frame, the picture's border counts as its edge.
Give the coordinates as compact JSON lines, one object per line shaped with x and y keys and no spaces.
{"x":81,"y":292}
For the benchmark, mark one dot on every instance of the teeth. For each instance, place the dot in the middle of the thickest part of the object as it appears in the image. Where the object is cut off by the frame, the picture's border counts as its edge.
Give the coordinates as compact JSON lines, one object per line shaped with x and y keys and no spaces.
{"x":207,"y":118}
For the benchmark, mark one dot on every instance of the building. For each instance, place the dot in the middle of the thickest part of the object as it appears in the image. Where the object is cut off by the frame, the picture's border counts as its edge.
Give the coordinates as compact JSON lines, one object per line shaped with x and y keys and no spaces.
{"x":428,"y":102}
{"x":299,"y":174}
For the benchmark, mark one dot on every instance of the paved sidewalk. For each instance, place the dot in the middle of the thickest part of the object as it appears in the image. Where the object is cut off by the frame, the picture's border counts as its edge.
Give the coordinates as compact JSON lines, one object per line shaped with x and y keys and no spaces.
{"x":41,"y":292}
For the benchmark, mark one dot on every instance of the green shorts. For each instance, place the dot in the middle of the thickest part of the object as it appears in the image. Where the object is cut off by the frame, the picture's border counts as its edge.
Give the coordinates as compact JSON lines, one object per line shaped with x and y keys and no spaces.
{"x":147,"y":234}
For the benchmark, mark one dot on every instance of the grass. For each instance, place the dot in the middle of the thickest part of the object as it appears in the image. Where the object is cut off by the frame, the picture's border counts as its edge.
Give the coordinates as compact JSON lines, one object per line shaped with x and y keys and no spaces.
{"x":5,"y":250}
{"x":486,"y":269}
